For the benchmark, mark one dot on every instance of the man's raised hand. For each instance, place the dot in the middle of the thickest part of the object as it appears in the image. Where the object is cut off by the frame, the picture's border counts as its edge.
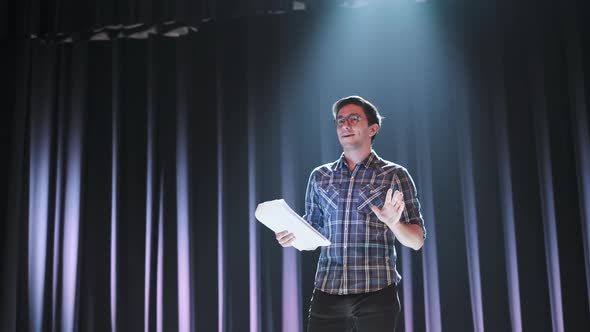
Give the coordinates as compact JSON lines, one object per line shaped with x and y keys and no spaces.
{"x":392,"y":209}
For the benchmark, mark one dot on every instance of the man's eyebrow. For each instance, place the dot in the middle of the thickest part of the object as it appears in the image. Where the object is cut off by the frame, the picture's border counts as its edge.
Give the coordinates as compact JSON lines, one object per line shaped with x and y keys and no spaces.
{"x":341,"y":116}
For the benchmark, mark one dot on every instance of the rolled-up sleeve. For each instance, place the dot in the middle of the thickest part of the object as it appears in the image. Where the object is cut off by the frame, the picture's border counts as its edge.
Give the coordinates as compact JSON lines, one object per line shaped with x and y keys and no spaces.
{"x":412,"y":213}
{"x":313,"y":212}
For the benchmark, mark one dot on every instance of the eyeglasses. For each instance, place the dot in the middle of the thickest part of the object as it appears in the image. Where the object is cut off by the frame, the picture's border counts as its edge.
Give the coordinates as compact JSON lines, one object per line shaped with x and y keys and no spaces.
{"x":352,"y":119}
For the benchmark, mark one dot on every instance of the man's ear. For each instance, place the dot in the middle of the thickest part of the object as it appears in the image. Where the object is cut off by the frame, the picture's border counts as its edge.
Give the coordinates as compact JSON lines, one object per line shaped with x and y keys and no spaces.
{"x":374,"y":129}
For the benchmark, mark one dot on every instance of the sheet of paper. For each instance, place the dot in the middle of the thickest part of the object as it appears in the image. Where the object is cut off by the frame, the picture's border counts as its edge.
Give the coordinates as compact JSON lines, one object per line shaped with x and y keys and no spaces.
{"x":278,"y":216}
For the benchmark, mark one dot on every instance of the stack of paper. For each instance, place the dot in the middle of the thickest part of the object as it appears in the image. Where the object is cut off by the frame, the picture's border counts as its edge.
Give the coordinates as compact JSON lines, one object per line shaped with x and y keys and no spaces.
{"x":278,"y":216}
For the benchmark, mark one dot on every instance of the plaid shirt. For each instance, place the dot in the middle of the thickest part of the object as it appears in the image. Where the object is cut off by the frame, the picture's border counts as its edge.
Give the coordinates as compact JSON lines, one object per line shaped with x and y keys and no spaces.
{"x":338,"y":203}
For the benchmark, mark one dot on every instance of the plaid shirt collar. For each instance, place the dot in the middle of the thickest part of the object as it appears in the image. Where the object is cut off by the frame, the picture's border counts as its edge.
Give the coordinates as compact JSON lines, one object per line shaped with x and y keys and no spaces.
{"x":373,"y":160}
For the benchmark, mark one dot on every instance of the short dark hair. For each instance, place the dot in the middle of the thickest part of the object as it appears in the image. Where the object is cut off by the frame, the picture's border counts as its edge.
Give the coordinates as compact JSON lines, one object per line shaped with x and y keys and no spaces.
{"x":371,"y":112}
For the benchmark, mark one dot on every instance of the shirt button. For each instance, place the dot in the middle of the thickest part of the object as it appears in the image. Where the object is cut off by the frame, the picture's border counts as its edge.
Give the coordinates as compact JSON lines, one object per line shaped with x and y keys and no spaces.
{"x":352,"y":178}
{"x":344,"y":247}
{"x":345,"y":228}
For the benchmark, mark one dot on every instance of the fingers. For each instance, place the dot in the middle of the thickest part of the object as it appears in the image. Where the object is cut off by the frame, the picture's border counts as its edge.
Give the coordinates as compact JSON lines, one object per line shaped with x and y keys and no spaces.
{"x":281,"y":234}
{"x":398,"y":201}
{"x":399,"y":207}
{"x":398,"y":195}
{"x":392,"y":197}
{"x":285,"y":238}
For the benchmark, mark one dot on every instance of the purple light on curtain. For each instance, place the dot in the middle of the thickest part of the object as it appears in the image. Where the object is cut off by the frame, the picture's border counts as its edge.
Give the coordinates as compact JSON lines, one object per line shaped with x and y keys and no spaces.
{"x":290,"y":292}
{"x":290,"y":288}
{"x":549,"y":222}
{"x":57,"y":228}
{"x":182,"y":212}
{"x":253,"y":234}
{"x":470,"y":219}
{"x":72,"y":224}
{"x":401,"y":148}
{"x":408,"y":286}
{"x":506,"y":201}
{"x":148,"y":216}
{"x":160,"y":263}
{"x":430,"y":265}
{"x":430,"y":257}
{"x":582,"y":133}
{"x":38,"y":212}
{"x":253,"y":253}
{"x":220,"y":252}
{"x":114,"y":191}
{"x":114,"y":223}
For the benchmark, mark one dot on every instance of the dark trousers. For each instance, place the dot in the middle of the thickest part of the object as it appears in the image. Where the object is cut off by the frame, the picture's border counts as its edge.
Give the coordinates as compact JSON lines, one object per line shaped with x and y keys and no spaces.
{"x":374,"y":311}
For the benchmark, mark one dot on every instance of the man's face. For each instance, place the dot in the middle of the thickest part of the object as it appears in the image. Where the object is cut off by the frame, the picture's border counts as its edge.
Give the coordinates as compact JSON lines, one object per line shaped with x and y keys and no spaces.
{"x":352,"y":135}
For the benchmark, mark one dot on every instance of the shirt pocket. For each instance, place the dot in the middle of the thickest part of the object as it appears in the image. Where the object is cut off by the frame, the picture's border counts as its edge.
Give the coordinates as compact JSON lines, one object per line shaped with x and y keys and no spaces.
{"x":371,"y":195}
{"x":329,"y":193}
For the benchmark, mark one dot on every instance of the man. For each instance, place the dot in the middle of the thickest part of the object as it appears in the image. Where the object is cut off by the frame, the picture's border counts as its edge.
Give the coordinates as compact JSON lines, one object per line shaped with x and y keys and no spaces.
{"x":361,"y":203}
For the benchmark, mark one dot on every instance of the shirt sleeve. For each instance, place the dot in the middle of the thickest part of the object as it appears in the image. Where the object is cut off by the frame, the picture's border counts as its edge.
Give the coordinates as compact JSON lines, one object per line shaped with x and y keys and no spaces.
{"x":313,"y":212}
{"x":412,"y":213}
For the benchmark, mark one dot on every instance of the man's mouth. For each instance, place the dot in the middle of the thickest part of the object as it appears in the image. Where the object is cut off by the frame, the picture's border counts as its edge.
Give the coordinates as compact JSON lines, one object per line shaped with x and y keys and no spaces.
{"x":347,"y":135}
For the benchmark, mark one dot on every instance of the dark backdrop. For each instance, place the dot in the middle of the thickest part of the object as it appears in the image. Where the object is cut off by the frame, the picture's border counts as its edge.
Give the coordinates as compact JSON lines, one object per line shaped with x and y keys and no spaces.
{"x":133,"y":166}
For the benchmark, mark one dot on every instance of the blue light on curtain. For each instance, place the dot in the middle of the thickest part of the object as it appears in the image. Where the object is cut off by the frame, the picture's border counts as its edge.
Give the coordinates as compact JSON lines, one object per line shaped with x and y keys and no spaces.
{"x":38,"y":213}
{"x":507,"y":207}
{"x":468,"y":192}
{"x":430,"y":260}
{"x":548,"y":212}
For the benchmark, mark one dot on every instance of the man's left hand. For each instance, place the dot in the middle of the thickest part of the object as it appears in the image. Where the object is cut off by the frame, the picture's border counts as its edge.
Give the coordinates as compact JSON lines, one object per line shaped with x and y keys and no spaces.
{"x":392,"y":209}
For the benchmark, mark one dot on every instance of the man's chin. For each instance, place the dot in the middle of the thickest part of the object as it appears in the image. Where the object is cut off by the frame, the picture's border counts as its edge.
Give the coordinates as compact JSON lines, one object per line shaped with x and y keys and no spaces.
{"x":349,"y":146}
{"x":346,"y":140}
